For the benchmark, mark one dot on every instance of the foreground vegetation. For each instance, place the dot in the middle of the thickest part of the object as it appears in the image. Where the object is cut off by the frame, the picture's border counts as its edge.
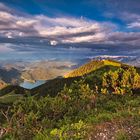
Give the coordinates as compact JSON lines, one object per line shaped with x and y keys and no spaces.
{"x":77,"y":117}
{"x":105,"y":104}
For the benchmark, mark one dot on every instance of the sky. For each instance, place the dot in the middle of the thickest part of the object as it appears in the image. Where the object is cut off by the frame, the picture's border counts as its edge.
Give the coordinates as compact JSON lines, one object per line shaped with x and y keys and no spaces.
{"x":47,"y":29}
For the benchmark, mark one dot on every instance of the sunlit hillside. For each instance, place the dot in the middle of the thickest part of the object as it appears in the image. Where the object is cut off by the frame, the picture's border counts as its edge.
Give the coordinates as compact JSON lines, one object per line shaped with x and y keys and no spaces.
{"x":92,"y":66}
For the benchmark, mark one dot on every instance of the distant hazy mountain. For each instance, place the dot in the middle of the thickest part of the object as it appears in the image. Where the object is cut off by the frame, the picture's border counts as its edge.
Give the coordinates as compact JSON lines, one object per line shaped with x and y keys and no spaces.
{"x":45,"y":70}
{"x":41,"y":70}
{"x":10,"y":75}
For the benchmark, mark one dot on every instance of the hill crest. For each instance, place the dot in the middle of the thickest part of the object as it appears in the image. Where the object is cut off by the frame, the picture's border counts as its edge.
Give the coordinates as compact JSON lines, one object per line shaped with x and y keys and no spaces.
{"x":92,"y":66}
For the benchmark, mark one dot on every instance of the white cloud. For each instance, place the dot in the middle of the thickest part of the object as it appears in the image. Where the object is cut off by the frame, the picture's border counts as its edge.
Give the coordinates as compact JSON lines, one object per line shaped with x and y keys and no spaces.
{"x":99,"y":37}
{"x":62,"y":21}
{"x":132,"y":20}
{"x":9,"y":35}
{"x":53,"y":42}
{"x":62,"y":30}
{"x":134,"y":25}
{"x":25,"y":22}
{"x":5,"y":15}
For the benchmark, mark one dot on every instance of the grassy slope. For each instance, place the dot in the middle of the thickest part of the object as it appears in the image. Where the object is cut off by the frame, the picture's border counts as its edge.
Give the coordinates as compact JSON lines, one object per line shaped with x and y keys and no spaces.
{"x":10,"y":98}
{"x":92,"y":66}
{"x":10,"y":93}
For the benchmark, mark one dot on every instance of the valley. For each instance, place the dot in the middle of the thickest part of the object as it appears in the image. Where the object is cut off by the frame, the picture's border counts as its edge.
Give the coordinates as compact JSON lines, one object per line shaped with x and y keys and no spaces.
{"x":18,"y":73}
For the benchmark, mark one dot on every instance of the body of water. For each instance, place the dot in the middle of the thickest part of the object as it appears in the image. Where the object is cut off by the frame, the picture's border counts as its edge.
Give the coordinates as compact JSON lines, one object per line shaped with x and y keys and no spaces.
{"x":31,"y":85}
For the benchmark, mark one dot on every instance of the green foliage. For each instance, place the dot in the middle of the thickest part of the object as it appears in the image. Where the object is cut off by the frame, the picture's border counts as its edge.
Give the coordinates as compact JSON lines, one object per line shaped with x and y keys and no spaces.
{"x":68,"y":115}
{"x":10,"y":98}
{"x":74,"y":131}
{"x":121,"y":81}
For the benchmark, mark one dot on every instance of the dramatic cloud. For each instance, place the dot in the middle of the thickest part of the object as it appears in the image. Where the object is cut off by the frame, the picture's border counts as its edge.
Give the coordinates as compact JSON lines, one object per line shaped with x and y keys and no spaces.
{"x":61,"y":30}
{"x":16,"y":27}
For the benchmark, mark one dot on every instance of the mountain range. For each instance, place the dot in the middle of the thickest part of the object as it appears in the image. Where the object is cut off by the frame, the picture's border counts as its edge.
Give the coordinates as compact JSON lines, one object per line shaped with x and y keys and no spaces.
{"x":94,"y":69}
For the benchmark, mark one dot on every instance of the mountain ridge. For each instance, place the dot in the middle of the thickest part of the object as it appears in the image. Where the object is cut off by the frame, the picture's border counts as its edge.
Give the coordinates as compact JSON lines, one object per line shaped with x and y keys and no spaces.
{"x":92,"y":66}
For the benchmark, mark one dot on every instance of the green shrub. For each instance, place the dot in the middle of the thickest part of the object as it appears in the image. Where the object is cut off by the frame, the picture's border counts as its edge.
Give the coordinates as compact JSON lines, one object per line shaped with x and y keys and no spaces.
{"x":75,"y":131}
{"x":121,"y":81}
